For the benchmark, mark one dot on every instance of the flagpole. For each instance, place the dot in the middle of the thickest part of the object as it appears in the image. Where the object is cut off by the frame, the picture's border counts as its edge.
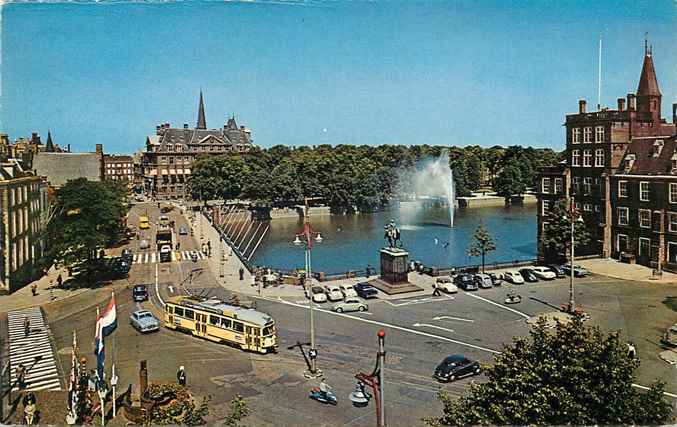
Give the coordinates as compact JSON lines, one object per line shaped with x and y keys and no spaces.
{"x":101,"y":396}
{"x":113,"y":378}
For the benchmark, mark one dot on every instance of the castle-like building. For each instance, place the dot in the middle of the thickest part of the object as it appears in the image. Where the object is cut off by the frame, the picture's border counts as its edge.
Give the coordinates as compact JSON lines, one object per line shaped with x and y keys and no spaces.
{"x":170,"y":153}
{"x":620,"y":174}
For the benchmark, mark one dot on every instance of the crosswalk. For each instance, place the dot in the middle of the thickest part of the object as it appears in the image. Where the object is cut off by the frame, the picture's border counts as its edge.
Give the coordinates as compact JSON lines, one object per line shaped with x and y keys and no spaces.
{"x":152,"y":257}
{"x":34,"y":351}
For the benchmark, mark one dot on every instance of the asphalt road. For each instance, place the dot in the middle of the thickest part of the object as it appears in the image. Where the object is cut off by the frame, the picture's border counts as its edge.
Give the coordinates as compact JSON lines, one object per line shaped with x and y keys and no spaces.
{"x":419,"y":333}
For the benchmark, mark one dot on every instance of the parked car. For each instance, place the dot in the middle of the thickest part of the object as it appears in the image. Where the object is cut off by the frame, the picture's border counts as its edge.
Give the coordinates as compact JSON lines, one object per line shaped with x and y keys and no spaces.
{"x":543,"y":273}
{"x":528,"y":275}
{"x":333,"y":293}
{"x":557,"y":269}
{"x":139,"y":198}
{"x":144,"y":321}
{"x":166,"y":209}
{"x":445,"y":284}
{"x":483,"y":281}
{"x":578,"y":271}
{"x":144,"y":244}
{"x":120,"y":266}
{"x":164,"y":221}
{"x":456,"y":366}
{"x":347,"y":290}
{"x":183,"y":230}
{"x":350,"y":304}
{"x":495,"y":279}
{"x":365,"y":290}
{"x":465,"y":281}
{"x":127,"y":255}
{"x":670,"y":336}
{"x":318,"y":294}
{"x":513,"y":276}
{"x":140,"y":293}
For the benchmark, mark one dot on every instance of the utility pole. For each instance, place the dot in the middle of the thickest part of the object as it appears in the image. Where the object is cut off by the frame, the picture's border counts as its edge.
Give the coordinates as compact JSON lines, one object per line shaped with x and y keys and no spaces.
{"x":571,"y":271}
{"x":381,"y":383}
{"x":376,"y":381}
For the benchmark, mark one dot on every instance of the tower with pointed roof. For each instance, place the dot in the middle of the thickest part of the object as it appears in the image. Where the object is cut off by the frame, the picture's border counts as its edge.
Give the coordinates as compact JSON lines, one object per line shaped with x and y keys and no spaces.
{"x":648,"y":94}
{"x":201,"y":121}
{"x":49,"y":147}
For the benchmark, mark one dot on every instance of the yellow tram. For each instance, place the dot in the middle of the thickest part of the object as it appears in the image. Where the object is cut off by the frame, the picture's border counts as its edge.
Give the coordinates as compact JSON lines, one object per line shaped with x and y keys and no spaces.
{"x":215,"y":320}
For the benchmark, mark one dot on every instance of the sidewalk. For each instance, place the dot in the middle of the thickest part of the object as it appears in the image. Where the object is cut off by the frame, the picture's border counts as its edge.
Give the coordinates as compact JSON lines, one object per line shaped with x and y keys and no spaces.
{"x":47,"y":292}
{"x":612,"y":268}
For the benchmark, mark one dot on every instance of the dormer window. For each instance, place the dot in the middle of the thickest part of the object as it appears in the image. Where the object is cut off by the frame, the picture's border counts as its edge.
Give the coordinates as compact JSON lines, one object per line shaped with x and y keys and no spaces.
{"x":673,"y":159}
{"x":629,"y":161}
{"x":657,"y":147}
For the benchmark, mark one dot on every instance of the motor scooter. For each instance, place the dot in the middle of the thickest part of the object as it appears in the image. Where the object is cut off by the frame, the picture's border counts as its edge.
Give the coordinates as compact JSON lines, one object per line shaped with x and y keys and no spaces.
{"x":323,"y":396}
{"x":513,"y":299}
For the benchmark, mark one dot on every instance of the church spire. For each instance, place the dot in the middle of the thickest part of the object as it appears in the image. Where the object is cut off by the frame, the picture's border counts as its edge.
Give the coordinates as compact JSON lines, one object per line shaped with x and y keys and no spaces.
{"x":201,"y":121}
{"x":49,"y":147}
{"x":648,"y":83}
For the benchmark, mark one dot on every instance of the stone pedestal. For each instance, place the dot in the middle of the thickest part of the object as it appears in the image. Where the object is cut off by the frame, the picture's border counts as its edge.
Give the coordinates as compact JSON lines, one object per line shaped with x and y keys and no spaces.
{"x":394,"y":272}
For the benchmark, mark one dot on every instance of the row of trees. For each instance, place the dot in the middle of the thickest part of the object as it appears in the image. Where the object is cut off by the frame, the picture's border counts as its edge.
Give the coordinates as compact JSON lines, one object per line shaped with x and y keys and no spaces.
{"x":364,"y":176}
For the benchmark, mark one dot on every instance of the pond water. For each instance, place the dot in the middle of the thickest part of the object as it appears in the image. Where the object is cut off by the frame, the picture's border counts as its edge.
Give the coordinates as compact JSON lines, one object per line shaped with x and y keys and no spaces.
{"x":351,"y":242}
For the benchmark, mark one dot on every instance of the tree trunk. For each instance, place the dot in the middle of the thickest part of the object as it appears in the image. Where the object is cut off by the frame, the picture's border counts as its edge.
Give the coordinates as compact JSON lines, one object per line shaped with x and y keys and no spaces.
{"x":482,"y":262}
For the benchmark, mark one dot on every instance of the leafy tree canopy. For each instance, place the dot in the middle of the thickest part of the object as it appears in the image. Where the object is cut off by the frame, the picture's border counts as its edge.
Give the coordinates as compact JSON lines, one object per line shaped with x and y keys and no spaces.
{"x":481,"y":244}
{"x":573,"y":375}
{"x":557,"y":236}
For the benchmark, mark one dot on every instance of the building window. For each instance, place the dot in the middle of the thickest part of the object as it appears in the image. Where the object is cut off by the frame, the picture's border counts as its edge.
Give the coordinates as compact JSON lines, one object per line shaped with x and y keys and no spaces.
{"x":673,"y":193}
{"x":587,"y":134}
{"x":622,"y":216}
{"x":576,"y":135}
{"x":546,"y":207}
{"x":545,"y":187}
{"x":622,"y":188}
{"x":644,"y":246}
{"x":599,"y":157}
{"x":587,"y":185}
{"x":599,"y":134}
{"x":645,"y":218}
{"x":644,"y":191}
{"x":577,"y":185}
{"x":587,"y":207}
{"x":545,"y":226}
{"x":575,"y":158}
{"x":587,"y":158}
{"x":559,"y":187}
{"x":672,"y":222}
{"x":596,"y":208}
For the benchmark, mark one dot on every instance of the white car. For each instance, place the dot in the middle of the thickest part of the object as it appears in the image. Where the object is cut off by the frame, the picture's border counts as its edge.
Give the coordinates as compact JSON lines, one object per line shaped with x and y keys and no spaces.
{"x":544,"y":273}
{"x":446,"y":284}
{"x":513,"y":276}
{"x":348,"y":290}
{"x":333,"y":293}
{"x":350,"y":304}
{"x":318,"y":294}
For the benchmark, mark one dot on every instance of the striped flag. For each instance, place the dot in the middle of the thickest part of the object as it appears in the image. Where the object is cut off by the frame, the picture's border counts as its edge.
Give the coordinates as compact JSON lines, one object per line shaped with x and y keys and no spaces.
{"x":72,"y":382}
{"x":106,"y":323}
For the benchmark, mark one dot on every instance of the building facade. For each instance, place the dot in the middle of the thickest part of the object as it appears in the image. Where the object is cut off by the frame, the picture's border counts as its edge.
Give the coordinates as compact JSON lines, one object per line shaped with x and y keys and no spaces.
{"x":171,"y":152}
{"x":118,"y":168}
{"x":59,"y":168}
{"x":601,"y":148}
{"x":24,"y":207}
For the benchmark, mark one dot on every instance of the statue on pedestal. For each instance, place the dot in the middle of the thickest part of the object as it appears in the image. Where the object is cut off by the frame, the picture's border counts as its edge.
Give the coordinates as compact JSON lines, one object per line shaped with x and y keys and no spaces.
{"x":392,"y":235}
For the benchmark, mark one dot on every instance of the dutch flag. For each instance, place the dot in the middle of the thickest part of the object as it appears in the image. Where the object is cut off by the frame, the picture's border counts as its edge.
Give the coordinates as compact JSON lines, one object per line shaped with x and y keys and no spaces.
{"x":106,"y":323}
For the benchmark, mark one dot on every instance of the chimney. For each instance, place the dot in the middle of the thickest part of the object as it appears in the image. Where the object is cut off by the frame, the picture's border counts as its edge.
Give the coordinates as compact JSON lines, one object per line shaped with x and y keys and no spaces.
{"x":99,"y":148}
{"x":621,"y":104}
{"x":35,"y":139}
{"x":674,"y":113}
{"x":581,"y":106}
{"x":241,"y":127}
{"x":69,"y":148}
{"x":632,"y":102}
{"x":185,"y":125}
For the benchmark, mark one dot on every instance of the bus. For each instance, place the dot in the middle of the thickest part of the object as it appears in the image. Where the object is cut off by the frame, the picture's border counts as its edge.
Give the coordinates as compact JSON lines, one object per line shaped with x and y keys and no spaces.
{"x":144,"y":224}
{"x":218,"y":321}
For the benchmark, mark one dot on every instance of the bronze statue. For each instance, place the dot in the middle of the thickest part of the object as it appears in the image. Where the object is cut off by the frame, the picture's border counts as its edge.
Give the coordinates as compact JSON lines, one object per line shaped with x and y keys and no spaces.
{"x":392,"y":235}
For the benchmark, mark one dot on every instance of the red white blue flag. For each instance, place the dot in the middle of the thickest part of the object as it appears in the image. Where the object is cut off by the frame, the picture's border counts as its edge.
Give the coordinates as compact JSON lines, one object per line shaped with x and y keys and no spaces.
{"x":106,"y":323}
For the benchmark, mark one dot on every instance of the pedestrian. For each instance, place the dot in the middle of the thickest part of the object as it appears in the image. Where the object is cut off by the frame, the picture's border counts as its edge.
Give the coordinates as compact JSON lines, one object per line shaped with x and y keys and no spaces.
{"x":59,"y":280}
{"x":29,"y":402}
{"x":181,"y":376}
{"x":178,"y":246}
{"x":27,"y":325}
{"x":436,"y":291}
{"x":241,"y":273}
{"x":21,"y":375}
{"x":34,"y":289}
{"x":632,"y":352}
{"x":209,"y":248}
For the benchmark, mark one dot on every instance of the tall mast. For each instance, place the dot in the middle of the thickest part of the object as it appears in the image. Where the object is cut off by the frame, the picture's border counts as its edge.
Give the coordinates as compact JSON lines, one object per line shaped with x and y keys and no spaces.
{"x":599,"y":75}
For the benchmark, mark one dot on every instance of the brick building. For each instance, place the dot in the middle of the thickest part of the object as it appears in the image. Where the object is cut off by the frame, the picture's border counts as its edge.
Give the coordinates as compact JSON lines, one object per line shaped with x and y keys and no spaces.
{"x":171,"y":152}
{"x":632,"y":144}
{"x":118,"y":168}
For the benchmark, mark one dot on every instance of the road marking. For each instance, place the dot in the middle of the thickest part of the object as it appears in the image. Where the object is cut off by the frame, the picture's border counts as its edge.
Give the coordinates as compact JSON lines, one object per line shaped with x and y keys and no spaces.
{"x":453,"y":318}
{"x":418,"y":301}
{"x":674,"y":396}
{"x":171,"y":288}
{"x":387,"y":325}
{"x":526,"y":316}
{"x":157,"y":288}
{"x":152,"y":257}
{"x":418,"y":325}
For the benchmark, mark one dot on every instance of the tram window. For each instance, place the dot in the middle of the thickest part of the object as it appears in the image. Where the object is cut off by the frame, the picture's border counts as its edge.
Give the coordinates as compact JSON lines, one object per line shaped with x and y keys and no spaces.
{"x":178,"y":311}
{"x":239,"y":327}
{"x":268,"y":330}
{"x":225,"y":323}
{"x":168,"y":309}
{"x":189,"y":314}
{"x":257,"y":331}
{"x":214,"y":320}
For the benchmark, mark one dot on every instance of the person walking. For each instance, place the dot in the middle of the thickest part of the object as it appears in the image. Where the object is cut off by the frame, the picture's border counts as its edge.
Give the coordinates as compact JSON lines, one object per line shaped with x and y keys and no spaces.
{"x":34,"y":289}
{"x":241,"y":273}
{"x":181,"y":376}
{"x":27,"y":326}
{"x":59,"y":281}
{"x":436,"y":291}
{"x":21,"y":376}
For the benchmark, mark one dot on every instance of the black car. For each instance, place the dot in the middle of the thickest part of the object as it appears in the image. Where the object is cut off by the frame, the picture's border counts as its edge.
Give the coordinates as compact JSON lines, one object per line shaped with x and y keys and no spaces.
{"x":495,"y":279}
{"x":557,"y":269}
{"x":465,"y":281}
{"x":578,"y":271}
{"x":528,"y":275}
{"x":456,"y":366}
{"x":365,"y":290}
{"x":120,"y":267}
{"x":127,"y":255}
{"x":140,"y":293}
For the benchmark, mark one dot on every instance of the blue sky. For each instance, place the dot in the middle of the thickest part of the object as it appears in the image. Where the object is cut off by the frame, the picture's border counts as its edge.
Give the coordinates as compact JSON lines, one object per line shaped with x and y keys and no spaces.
{"x":310,"y":72}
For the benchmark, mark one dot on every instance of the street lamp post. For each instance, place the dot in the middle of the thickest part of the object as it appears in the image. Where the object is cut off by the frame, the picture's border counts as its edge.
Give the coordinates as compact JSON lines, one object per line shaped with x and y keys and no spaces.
{"x":574,"y":218}
{"x":307,"y":235}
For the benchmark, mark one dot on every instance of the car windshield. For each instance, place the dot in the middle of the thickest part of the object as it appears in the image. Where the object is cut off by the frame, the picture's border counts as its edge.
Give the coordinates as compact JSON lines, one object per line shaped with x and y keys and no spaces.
{"x":144,"y":315}
{"x":140,"y":291}
{"x":317,"y":290}
{"x":352,"y":301}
